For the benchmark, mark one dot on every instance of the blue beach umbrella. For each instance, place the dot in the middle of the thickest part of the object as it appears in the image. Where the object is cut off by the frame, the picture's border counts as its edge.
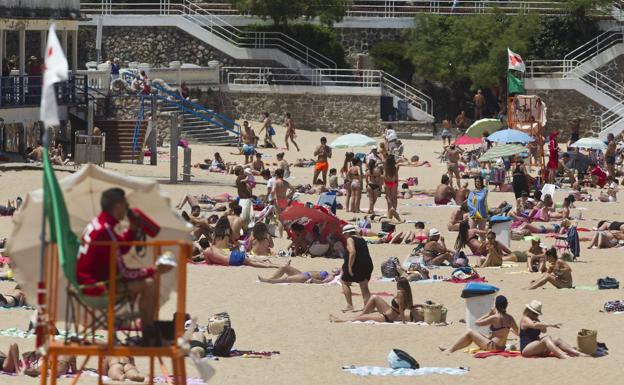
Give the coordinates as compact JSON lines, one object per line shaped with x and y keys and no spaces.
{"x":510,"y":136}
{"x":352,"y":141}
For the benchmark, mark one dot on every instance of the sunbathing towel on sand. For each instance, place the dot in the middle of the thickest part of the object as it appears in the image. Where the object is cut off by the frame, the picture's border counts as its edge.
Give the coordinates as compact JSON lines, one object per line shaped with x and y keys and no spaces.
{"x":381,"y":371}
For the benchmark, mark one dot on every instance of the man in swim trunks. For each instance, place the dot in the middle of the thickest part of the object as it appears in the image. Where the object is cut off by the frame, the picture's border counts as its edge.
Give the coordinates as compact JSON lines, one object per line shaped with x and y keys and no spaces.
{"x":248,"y":142}
{"x":282,"y":191}
{"x":444,"y":193}
{"x":323,"y":152}
{"x":453,"y":153}
{"x":244,"y":196}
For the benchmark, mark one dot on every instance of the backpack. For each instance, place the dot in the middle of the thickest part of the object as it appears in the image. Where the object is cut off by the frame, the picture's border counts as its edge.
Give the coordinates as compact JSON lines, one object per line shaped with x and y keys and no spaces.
{"x":389,"y":268}
{"x":224,"y":343}
{"x":608,"y":283}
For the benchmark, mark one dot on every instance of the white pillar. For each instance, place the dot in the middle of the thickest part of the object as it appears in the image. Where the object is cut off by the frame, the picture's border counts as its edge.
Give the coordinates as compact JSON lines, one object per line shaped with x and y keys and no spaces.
{"x":22,"y":50}
{"x":64,"y":41}
{"x":75,"y":51}
{"x":44,"y":43}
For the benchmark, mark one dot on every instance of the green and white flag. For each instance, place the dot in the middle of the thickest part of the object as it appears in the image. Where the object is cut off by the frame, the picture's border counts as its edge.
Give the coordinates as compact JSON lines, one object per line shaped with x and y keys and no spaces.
{"x":514,"y":85}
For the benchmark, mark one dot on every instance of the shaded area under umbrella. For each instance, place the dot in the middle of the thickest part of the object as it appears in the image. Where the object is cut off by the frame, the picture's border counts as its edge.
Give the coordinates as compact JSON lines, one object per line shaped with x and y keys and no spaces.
{"x":326,"y":226}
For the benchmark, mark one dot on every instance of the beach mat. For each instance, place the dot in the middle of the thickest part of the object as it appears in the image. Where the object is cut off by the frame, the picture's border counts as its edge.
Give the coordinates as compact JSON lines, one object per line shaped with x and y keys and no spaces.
{"x":381,"y":371}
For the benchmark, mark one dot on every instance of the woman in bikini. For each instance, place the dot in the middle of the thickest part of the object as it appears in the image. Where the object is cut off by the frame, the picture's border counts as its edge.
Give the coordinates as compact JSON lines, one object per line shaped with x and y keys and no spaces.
{"x":344,"y":172}
{"x":555,"y":271}
{"x":529,"y":228}
{"x":534,"y":345}
{"x":121,"y":369}
{"x":606,"y":239}
{"x":260,"y":242}
{"x":468,"y":237}
{"x":356,"y":185}
{"x":563,"y":212}
{"x":374,"y":180}
{"x":391,"y":183}
{"x":10,"y":362}
{"x":378,"y":310}
{"x":500,"y":324}
{"x":220,"y":253}
{"x":493,"y":251}
{"x":288,"y":274}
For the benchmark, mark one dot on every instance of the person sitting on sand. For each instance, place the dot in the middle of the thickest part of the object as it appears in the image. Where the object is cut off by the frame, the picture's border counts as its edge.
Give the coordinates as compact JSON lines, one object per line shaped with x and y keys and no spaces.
{"x":217,"y":164}
{"x":219,"y":253}
{"x":533,"y":344}
{"x":606,"y":239}
{"x":563,"y":212}
{"x":462,"y":194}
{"x":237,"y":224}
{"x":458,"y":217}
{"x":378,"y":310}
{"x":533,"y":257}
{"x":11,"y":207}
{"x":557,"y":272}
{"x":10,"y":362}
{"x":33,"y":360}
{"x":493,"y":251}
{"x":257,"y":166}
{"x":121,"y":369}
{"x":468,"y":237}
{"x":16,"y":298}
{"x":611,"y":194}
{"x":288,"y":274}
{"x":435,"y":251}
{"x":201,"y":226}
{"x":260,"y":242}
{"x":444,"y":193}
{"x":500,"y":324}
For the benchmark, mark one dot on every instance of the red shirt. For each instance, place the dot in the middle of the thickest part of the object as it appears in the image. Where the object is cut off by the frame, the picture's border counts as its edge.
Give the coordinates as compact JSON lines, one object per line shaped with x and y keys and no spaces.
{"x":602,"y":176}
{"x":93,"y":261}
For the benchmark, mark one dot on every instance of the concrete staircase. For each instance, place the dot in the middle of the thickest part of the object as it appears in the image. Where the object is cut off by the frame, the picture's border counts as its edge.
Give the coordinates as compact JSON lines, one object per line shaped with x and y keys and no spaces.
{"x":197,"y":129}
{"x":119,"y":136}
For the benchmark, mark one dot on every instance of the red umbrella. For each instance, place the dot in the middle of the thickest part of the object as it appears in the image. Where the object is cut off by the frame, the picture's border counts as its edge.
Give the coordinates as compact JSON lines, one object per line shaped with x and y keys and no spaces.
{"x":465,"y":140}
{"x":328,"y":224}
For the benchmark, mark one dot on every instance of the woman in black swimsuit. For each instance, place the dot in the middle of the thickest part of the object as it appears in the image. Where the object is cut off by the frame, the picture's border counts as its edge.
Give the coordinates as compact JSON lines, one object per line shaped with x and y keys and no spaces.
{"x":500,"y":324}
{"x":532,"y":345}
{"x":377,"y":309}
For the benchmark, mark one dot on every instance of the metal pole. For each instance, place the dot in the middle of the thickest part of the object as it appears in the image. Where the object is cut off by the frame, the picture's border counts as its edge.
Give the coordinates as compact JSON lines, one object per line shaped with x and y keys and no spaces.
{"x":186,"y":168}
{"x":41,"y":285}
{"x":153,"y":139}
{"x":173,"y":154}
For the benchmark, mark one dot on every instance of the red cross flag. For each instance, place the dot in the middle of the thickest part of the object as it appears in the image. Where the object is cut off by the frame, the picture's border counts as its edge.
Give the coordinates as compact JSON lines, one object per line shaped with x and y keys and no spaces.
{"x":56,"y":68}
{"x":515,"y":61}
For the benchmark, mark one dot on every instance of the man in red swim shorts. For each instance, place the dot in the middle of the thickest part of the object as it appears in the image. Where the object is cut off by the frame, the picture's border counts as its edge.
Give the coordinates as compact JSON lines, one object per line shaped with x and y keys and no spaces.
{"x":322,"y":153}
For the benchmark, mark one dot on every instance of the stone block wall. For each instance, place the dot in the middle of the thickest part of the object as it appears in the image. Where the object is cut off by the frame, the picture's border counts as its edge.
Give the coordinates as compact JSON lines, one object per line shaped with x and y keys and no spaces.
{"x":329,"y":113}
{"x":361,"y":40}
{"x":564,"y":105}
{"x":614,"y":69}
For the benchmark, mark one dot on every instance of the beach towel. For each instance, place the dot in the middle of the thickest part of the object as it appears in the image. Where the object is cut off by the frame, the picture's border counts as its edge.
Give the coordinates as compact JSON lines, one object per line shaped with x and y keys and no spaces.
{"x":506,"y":353}
{"x":18,"y":333}
{"x":252,"y":354}
{"x":381,"y":371}
{"x":457,"y":280}
{"x":477,"y":204}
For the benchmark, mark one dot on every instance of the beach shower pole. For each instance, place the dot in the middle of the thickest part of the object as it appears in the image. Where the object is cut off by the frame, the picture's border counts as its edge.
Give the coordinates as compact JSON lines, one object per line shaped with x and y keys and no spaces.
{"x":173,"y":151}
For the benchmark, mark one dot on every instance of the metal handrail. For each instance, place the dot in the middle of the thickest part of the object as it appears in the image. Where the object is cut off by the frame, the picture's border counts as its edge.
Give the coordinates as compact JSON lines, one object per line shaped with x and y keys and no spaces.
{"x":611,"y":116}
{"x":324,"y":77}
{"x":137,"y":126}
{"x":403,"y":8}
{"x":594,"y":47}
{"x":218,"y":26}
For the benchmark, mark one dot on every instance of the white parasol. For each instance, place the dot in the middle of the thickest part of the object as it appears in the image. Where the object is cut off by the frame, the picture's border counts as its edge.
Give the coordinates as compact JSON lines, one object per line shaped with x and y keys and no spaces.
{"x":82,"y":192}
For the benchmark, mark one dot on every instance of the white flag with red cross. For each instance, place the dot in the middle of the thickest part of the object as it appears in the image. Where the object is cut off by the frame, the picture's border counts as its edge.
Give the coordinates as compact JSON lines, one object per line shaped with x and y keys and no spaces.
{"x":56,"y":68}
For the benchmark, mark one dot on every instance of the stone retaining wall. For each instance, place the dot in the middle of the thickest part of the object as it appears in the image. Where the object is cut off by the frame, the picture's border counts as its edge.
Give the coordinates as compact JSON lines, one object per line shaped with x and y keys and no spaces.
{"x":564,"y":105}
{"x":614,"y":69}
{"x":329,"y":113}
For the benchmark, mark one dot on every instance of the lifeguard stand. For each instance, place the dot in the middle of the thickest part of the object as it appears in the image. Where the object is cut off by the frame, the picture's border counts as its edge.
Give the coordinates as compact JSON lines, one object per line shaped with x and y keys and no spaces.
{"x":84,"y":343}
{"x":527,"y":113}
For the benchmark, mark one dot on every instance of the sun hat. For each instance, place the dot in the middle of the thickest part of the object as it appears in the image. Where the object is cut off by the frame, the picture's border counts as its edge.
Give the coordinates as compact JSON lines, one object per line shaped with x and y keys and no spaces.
{"x":535,"y":306}
{"x":433,"y":232}
{"x":348,"y":229}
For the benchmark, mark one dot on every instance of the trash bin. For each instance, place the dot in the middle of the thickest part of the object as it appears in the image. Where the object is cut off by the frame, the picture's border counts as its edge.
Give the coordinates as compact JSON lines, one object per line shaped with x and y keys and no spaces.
{"x":501,"y":226}
{"x":479,"y":300}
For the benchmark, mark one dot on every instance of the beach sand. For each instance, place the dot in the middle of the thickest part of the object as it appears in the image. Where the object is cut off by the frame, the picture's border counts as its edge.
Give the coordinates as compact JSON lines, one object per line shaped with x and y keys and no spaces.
{"x":294,"y":319}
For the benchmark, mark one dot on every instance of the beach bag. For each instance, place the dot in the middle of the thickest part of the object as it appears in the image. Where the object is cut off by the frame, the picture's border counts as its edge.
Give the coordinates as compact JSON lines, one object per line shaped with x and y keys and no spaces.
{"x":389,"y":268}
{"x":398,"y":359}
{"x":613,"y":306}
{"x":608,"y":283}
{"x":435,"y":313}
{"x":224,"y":343}
{"x":218,"y":322}
{"x":412,"y":181}
{"x":387,"y":227}
{"x":271,"y":131}
{"x":587,"y":341}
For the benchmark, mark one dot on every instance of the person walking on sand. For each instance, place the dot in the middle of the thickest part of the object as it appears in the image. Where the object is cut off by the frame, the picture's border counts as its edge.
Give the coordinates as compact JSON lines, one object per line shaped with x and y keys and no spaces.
{"x":446,"y":131}
{"x":268,"y":129}
{"x":290,"y":132}
{"x":500,"y":324}
{"x":357,"y":266}
{"x":323,"y":152}
{"x":248,"y":142}
{"x":610,"y":155}
{"x":479,"y":103}
{"x":453,"y":154}
{"x":391,"y":183}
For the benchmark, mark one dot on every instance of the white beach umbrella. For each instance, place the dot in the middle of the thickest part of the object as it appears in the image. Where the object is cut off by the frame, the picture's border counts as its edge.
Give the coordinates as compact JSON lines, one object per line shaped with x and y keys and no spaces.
{"x":82,"y":191}
{"x":593,"y":143}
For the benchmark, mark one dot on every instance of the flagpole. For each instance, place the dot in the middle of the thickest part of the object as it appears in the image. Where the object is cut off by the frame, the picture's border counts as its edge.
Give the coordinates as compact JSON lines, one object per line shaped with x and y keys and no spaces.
{"x":41,"y":329}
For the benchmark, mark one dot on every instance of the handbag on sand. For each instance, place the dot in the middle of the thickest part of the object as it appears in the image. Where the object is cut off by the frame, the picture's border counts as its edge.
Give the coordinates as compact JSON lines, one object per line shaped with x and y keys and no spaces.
{"x":587,"y":341}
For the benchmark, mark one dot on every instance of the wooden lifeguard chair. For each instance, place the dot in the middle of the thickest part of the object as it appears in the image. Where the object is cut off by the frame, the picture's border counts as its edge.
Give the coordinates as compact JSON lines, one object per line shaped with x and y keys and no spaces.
{"x":81,"y":317}
{"x":527,"y":113}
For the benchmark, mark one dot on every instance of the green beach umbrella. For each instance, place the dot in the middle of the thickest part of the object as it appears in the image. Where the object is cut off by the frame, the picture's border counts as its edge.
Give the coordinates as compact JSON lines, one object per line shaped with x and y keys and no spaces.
{"x":477,"y":128}
{"x":502,"y":151}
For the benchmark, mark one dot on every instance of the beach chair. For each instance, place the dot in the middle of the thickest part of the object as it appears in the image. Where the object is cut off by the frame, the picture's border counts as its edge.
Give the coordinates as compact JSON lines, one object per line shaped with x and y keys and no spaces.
{"x":329,"y":199}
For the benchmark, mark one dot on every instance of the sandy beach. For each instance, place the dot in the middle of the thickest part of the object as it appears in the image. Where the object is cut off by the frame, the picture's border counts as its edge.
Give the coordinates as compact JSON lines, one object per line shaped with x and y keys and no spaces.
{"x":293,"y":319}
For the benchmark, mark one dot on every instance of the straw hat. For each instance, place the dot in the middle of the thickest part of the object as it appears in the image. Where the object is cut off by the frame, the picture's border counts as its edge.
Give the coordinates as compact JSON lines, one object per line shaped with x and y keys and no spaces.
{"x":348,"y":229}
{"x":535,"y":306}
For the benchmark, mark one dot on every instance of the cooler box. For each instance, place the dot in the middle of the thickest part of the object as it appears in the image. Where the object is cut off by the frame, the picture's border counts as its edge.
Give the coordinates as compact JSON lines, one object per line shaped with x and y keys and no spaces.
{"x":501,"y":226}
{"x":328,"y":198}
{"x":479,"y":300}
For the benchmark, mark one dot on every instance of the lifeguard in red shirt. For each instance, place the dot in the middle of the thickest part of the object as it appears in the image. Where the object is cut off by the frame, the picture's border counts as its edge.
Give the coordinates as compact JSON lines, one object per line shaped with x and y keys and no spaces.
{"x":93,"y":261}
